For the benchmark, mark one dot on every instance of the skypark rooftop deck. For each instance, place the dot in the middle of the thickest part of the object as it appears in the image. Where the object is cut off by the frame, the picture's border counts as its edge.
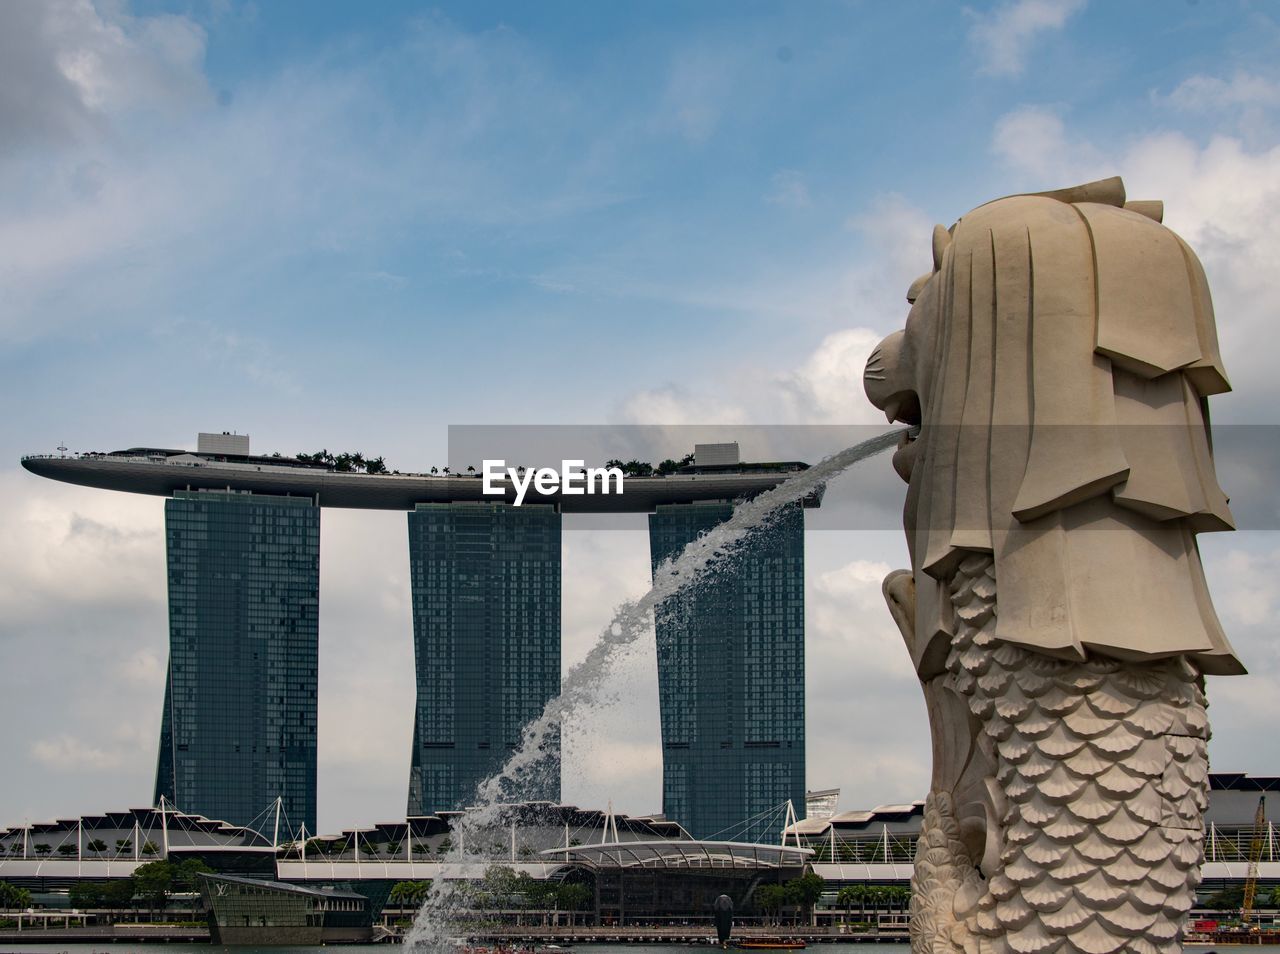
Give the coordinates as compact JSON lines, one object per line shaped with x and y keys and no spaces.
{"x":163,"y":472}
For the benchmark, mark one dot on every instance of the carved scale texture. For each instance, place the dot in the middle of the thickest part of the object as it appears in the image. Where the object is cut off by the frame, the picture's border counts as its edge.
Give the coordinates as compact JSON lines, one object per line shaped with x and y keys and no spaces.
{"x":1103,"y":770}
{"x":942,"y":869}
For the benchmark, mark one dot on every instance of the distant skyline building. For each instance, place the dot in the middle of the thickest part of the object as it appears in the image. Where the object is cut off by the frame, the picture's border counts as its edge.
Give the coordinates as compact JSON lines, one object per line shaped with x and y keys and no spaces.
{"x":485,"y":583}
{"x":731,"y":678}
{"x":239,"y":722}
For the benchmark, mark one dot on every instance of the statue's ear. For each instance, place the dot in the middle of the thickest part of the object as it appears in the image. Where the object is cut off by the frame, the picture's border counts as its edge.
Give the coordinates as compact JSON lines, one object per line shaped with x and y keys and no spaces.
{"x":941,"y":239}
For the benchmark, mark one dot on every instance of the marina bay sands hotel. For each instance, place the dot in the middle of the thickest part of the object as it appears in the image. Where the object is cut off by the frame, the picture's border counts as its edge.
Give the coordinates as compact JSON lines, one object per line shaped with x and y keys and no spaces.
{"x":243,"y":555}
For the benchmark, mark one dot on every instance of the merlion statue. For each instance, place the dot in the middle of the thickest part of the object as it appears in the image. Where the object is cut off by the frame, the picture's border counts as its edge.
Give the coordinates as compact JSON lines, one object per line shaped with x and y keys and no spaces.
{"x":1057,"y":362}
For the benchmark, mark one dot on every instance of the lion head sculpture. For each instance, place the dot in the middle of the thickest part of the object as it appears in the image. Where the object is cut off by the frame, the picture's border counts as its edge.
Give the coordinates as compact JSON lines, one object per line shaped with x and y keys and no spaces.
{"x":1057,"y":361}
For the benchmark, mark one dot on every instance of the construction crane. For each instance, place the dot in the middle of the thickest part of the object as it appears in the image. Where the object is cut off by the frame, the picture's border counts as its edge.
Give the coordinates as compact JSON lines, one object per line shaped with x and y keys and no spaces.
{"x":1255,"y":856}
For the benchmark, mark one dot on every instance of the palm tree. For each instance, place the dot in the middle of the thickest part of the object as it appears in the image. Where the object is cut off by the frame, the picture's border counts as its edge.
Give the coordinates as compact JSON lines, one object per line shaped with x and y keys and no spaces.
{"x":900,"y":896}
{"x":413,"y":892}
{"x":881,"y":896}
{"x":850,"y":895}
{"x":858,"y":894}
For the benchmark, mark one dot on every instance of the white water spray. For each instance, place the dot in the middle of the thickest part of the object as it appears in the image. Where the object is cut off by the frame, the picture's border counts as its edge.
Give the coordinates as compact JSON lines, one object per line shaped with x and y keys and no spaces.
{"x":433,"y":928}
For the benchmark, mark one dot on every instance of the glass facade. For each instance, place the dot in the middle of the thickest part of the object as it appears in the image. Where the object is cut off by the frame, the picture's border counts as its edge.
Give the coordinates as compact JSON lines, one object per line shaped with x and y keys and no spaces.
{"x":731,"y":678}
{"x":239,"y":723}
{"x":486,"y":637}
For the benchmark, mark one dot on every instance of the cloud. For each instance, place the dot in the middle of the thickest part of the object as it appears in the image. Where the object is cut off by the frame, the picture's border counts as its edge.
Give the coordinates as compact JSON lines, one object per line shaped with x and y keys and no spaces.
{"x":69,"y":69}
{"x":700,"y":84}
{"x":827,"y":388}
{"x":71,"y":549}
{"x":1247,"y":103}
{"x":790,"y":190}
{"x":367,"y":691}
{"x":864,"y":706}
{"x":1211,"y":94}
{"x":82,"y":583}
{"x":122,"y":224}
{"x":65,"y":753}
{"x":143,"y":668}
{"x":846,"y":607}
{"x":1242,"y":569}
{"x":1248,"y":594}
{"x":612,"y":751}
{"x":244,"y":355}
{"x":1005,"y":35}
{"x":107,"y":747}
{"x":677,"y":405}
{"x":1034,"y":141}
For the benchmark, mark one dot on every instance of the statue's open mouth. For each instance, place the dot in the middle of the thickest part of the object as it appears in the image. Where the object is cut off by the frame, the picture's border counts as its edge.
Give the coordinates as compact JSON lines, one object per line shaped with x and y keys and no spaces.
{"x":904,"y":408}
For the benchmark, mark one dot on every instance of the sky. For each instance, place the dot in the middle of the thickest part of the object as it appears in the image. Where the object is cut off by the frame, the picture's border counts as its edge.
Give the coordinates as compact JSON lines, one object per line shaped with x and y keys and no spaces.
{"x":354,"y":226}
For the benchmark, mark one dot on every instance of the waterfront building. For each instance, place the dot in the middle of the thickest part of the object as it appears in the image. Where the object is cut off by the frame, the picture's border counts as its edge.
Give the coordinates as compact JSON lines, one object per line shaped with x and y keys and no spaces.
{"x":731,"y":676}
{"x":251,"y":911}
{"x":643,"y":869}
{"x":485,"y":583}
{"x":238,"y":728}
